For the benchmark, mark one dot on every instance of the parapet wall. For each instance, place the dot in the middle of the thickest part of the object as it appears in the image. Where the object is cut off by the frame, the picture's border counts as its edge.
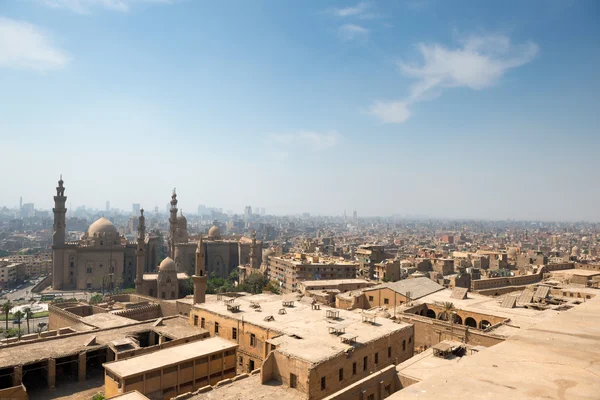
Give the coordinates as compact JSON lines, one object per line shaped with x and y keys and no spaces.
{"x":378,"y":385}
{"x":142,"y":313}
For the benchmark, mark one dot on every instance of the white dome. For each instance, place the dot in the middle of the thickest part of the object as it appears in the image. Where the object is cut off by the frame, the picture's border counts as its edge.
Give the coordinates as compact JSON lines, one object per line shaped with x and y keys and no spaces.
{"x":167,"y":265}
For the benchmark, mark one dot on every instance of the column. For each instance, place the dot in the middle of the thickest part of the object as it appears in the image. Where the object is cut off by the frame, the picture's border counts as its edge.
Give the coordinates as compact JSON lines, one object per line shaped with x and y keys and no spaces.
{"x":82,"y":366}
{"x":17,"y":375}
{"x":51,"y":373}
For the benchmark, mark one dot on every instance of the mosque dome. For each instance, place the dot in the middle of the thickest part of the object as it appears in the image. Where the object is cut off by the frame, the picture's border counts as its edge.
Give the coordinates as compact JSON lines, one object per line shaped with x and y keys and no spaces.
{"x":575,"y":251}
{"x":214,"y":232}
{"x":512,"y":252}
{"x":167,"y":265}
{"x":181,"y":220}
{"x":554,"y":250}
{"x":584,"y":239}
{"x":102,"y":225}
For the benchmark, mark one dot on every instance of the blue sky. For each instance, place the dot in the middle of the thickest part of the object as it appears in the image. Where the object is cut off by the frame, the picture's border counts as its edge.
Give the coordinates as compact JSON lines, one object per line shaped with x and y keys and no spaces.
{"x":449,"y":109}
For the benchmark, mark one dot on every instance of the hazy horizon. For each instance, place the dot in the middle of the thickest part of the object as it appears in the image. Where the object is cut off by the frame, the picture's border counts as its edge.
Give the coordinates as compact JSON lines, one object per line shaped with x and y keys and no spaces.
{"x":451,"y":110}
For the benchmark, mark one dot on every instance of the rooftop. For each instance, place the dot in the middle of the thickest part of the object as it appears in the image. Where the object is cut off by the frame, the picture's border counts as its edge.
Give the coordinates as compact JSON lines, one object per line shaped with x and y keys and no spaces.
{"x":557,"y":358}
{"x":306,"y":331}
{"x":60,"y":346}
{"x":170,"y":356}
{"x":418,"y":287}
{"x":250,"y":388}
{"x":335,"y":282}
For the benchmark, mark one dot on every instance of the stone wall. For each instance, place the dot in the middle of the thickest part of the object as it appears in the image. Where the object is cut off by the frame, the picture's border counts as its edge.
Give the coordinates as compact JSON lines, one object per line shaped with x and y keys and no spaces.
{"x":143,"y":313}
{"x":379,"y":385}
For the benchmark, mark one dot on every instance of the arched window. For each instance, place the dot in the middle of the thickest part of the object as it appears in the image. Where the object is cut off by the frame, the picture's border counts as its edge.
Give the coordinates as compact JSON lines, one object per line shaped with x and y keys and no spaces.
{"x":168,"y":279}
{"x":172,"y":294}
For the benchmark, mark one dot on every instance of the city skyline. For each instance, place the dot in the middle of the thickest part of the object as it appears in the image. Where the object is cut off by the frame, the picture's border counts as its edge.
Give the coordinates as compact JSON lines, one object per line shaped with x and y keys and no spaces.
{"x":411,"y":108}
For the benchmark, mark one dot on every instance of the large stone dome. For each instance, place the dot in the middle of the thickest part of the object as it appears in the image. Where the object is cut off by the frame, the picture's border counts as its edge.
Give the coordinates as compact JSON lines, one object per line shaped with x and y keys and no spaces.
{"x":214,"y":232}
{"x":102,"y":225}
{"x":167,"y":265}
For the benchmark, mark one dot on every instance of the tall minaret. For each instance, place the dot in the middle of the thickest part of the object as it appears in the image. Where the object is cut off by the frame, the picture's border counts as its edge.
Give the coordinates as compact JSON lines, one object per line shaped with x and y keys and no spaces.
{"x":140,"y":259}
{"x":199,"y":277}
{"x":253,"y":258}
{"x":58,"y":238}
{"x":173,"y":224}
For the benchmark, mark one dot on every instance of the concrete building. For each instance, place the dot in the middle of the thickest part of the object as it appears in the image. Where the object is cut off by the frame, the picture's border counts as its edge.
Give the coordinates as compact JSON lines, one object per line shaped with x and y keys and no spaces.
{"x":172,"y":371}
{"x":314,"y":349}
{"x":10,"y":272}
{"x":368,"y":256}
{"x":291,"y":269}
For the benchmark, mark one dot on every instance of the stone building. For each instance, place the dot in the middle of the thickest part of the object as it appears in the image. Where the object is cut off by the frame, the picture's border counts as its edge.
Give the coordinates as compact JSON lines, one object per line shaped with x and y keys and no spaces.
{"x":102,"y":258}
{"x":316,"y":350}
{"x":223,"y":253}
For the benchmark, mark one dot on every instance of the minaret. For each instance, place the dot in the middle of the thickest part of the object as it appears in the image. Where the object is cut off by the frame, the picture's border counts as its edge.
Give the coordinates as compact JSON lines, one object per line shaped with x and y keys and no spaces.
{"x":140,"y":256}
{"x":173,"y":224}
{"x":199,"y":277}
{"x":253,"y":258}
{"x":58,"y":238}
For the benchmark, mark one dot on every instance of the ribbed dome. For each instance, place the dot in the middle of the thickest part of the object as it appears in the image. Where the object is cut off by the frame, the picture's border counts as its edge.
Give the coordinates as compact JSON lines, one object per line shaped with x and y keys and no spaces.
{"x":214,"y":232}
{"x":167,"y":265}
{"x":102,"y":225}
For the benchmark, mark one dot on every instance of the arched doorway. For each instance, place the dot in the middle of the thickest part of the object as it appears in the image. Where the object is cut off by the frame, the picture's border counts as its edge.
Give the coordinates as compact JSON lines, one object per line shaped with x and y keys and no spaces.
{"x":430,"y":314}
{"x":471,"y":322}
{"x":457,"y":319}
{"x":422,"y":312}
{"x":484,"y":324}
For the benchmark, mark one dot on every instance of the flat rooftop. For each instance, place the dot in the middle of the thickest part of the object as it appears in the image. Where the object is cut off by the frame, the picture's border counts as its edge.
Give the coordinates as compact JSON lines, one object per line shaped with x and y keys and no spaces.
{"x":571,"y":272}
{"x":170,"y":356}
{"x":520,"y":317}
{"x":60,"y":346}
{"x":250,"y":388}
{"x":305,"y":332}
{"x":557,"y":358}
{"x":335,"y":282}
{"x":418,"y":287}
{"x":133,"y":395}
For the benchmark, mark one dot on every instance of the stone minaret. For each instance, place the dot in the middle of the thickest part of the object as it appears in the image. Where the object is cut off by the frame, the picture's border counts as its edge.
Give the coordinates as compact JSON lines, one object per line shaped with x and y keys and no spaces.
{"x":199,"y":277}
{"x":140,"y":253}
{"x":173,"y":224}
{"x":253,"y":257}
{"x":58,"y":238}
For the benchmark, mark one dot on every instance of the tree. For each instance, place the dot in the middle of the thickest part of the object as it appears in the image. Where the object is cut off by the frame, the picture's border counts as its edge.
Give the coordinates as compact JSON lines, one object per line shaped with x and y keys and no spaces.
{"x":99,"y":396}
{"x":17,"y":317}
{"x":97,"y":298}
{"x":447,"y":314}
{"x":254,"y":284}
{"x":6,"y":307}
{"x":28,"y":315}
{"x":41,"y":326}
{"x":272,"y":287}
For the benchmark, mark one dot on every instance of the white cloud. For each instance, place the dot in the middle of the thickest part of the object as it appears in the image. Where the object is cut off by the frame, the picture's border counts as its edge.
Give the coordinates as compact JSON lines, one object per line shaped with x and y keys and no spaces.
{"x":478,"y":63}
{"x":352,"y":32}
{"x":353,"y":11}
{"x":393,"y":112}
{"x":86,"y":6}
{"x":24,"y":46}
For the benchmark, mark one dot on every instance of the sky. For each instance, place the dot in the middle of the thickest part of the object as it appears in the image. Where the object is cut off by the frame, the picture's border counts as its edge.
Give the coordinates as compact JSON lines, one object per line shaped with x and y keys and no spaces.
{"x":454,"y":109}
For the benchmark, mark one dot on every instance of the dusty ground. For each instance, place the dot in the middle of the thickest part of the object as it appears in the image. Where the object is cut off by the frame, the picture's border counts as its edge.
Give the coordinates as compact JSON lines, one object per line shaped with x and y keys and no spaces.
{"x":70,"y":391}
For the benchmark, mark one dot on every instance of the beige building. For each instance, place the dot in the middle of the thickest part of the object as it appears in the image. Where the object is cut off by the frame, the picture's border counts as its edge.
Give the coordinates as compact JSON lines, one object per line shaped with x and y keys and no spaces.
{"x":291,"y":269}
{"x":313,"y":349}
{"x":103,"y":258}
{"x":169,"y":372}
{"x":10,"y":272}
{"x":34,"y":265}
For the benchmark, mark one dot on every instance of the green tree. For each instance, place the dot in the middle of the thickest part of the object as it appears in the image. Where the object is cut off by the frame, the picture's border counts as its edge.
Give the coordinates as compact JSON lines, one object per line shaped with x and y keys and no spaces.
{"x":17,"y":317}
{"x":6,"y":307}
{"x":28,"y":315}
{"x":41,"y":326}
{"x":97,"y":298}
{"x":449,"y":308}
{"x":272,"y":287}
{"x":254,"y":284}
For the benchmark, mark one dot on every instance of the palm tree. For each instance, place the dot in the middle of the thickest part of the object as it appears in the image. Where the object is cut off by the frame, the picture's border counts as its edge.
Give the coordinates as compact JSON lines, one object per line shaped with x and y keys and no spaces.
{"x":18,"y":316}
{"x":448,"y":311}
{"x":41,"y":327}
{"x":28,"y":315}
{"x":6,"y":307}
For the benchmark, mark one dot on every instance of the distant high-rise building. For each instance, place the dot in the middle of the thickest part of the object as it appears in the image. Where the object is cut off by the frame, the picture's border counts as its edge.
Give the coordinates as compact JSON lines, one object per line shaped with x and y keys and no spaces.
{"x":262,"y":211}
{"x":135,"y":208}
{"x":355,"y":216}
{"x":247,"y":214}
{"x":107,"y":206}
{"x":20,"y":202}
{"x":27,"y":210}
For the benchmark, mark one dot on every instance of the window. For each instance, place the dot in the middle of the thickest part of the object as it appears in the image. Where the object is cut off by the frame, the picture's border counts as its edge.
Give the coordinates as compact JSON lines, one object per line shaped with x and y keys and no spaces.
{"x":386,"y":301}
{"x":403,"y":345}
{"x":216,"y":328}
{"x":341,"y":374}
{"x":371,"y":298}
{"x":389,"y":352}
{"x":365,"y":360}
{"x":252,"y":340}
{"x":388,"y":390}
{"x":195,"y":320}
{"x":354,"y":368}
{"x":172,"y":294}
{"x":293,"y":380}
{"x":410,"y":339}
{"x":323,"y":383}
{"x":164,"y":296}
{"x":241,"y":360}
{"x":371,"y":396}
{"x":376,"y":358}
{"x":234,"y":333}
{"x":202,"y":322}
